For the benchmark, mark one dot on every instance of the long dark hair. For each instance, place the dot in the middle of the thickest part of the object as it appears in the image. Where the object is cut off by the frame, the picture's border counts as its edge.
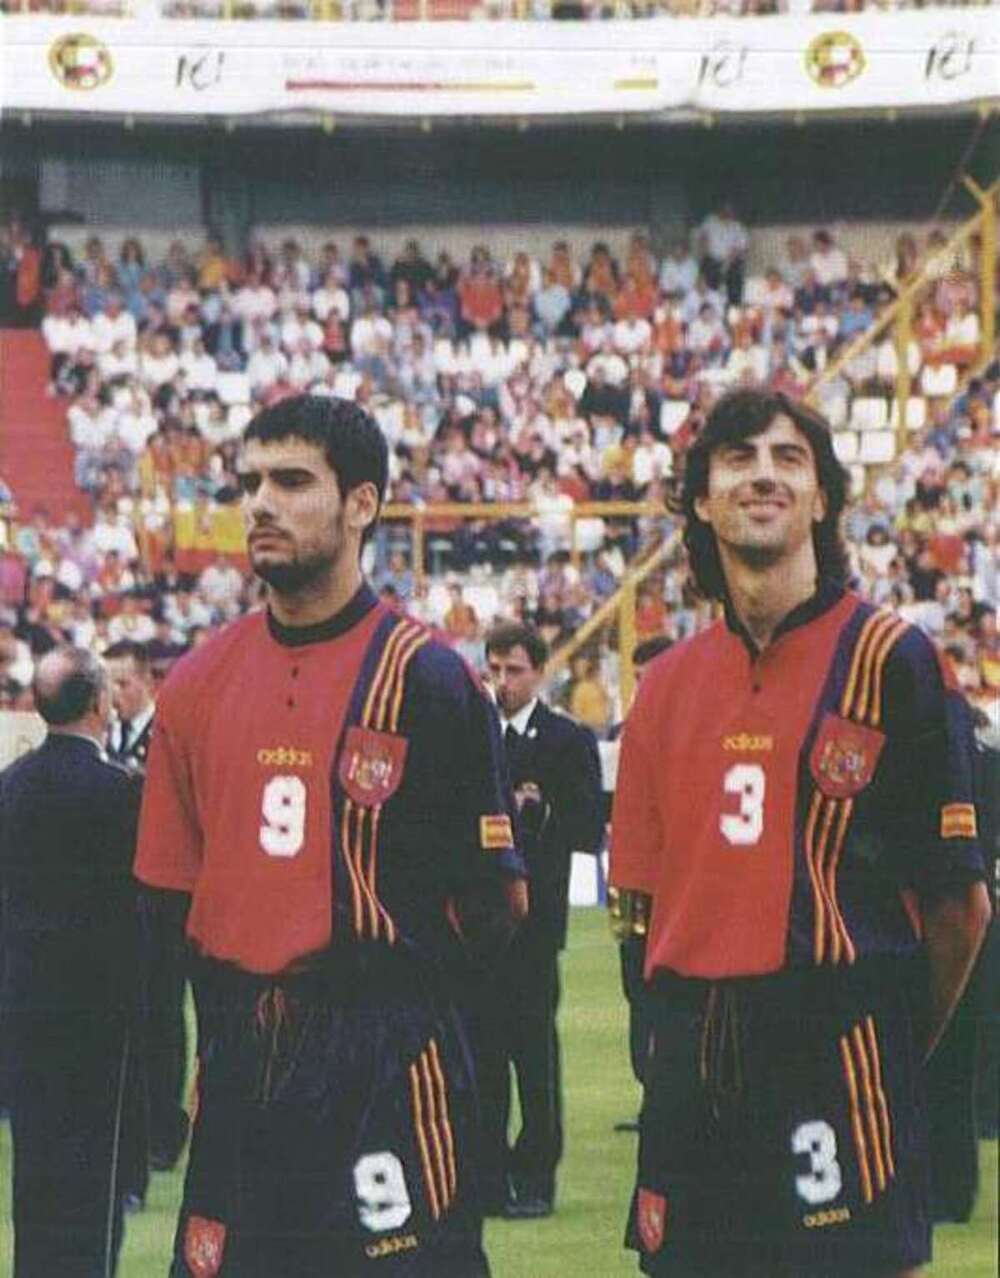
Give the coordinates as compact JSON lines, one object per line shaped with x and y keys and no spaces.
{"x":740,"y":415}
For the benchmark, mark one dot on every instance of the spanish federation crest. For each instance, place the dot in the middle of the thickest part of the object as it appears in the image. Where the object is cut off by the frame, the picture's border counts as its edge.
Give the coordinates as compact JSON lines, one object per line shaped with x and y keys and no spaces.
{"x":844,"y":756}
{"x":204,"y":1243}
{"x":371,"y":765}
{"x":651,"y":1217}
{"x":80,"y":61}
{"x":835,"y":58}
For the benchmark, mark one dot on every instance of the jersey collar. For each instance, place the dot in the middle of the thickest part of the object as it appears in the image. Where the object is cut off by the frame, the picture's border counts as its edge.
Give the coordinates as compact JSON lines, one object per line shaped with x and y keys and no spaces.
{"x":362,"y":602}
{"x":827,"y":594}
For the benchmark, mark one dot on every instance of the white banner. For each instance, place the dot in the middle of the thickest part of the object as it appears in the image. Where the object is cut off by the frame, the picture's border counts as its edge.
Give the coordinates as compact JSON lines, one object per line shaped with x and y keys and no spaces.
{"x":914,"y":59}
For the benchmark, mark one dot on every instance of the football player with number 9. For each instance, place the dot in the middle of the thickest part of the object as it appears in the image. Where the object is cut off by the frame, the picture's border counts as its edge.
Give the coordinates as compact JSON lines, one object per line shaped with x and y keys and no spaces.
{"x":795,"y":797}
{"x":326,"y":812}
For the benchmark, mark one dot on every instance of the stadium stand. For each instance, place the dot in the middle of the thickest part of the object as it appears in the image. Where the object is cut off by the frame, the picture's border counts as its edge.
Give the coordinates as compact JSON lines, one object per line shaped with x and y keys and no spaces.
{"x":512,"y":382}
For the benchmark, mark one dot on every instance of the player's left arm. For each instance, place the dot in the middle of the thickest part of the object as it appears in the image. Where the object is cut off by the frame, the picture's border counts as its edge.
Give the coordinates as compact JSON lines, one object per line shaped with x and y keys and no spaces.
{"x":954,"y":928}
{"x":488,"y":893}
{"x":938,"y":797}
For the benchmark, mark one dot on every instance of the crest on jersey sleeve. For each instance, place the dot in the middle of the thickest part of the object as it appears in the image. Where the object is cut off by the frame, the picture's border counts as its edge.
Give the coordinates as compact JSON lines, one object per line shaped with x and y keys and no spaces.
{"x":204,"y":1244}
{"x":651,"y":1217}
{"x":844,"y":756}
{"x":371,"y":765}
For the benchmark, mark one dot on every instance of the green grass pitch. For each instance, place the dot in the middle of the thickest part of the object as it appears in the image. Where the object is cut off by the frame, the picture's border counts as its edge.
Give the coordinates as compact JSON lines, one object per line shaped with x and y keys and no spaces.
{"x":584,"y":1237}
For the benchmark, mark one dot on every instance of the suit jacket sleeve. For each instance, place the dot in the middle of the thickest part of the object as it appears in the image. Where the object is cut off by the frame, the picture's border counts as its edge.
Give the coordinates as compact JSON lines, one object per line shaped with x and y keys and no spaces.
{"x":585,"y":802}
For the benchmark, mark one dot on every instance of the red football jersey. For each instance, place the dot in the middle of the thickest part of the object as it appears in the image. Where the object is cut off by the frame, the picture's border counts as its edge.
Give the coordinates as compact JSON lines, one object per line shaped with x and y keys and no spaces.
{"x":779,"y":808}
{"x":236,"y":805}
{"x":705,"y":806}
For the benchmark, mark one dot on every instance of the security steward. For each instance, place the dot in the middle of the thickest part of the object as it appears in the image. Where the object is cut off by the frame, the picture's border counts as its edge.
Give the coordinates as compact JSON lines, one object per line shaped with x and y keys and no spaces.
{"x":556,"y":777}
{"x":164,"y":957}
{"x":68,"y":822}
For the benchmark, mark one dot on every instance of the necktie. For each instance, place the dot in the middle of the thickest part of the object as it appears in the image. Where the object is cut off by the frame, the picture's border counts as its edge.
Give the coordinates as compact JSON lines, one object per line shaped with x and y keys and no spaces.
{"x":125,"y":733}
{"x":511,"y":737}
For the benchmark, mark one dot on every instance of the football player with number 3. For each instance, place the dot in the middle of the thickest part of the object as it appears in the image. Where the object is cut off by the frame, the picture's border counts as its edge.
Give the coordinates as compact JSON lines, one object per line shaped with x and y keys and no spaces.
{"x":326,"y":813}
{"x":795,"y":796}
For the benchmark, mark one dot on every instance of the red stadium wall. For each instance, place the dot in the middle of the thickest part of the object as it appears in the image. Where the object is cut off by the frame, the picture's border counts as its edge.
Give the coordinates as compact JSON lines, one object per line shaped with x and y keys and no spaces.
{"x":36,"y":456}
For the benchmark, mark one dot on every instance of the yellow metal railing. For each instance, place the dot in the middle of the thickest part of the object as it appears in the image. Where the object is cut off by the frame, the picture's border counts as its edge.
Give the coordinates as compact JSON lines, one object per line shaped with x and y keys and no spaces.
{"x":899,"y":315}
{"x":419,"y":517}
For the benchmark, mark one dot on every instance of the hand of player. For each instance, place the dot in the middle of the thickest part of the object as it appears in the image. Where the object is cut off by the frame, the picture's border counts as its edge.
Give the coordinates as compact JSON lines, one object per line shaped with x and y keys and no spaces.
{"x":527,"y":792}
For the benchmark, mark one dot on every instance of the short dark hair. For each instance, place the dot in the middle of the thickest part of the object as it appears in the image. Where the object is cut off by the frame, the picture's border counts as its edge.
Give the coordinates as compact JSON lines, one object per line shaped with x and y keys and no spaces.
{"x":353,"y":445}
{"x":650,"y":648}
{"x":509,"y":635}
{"x":741,"y":415}
{"x":125,"y":648}
{"x":75,"y":691}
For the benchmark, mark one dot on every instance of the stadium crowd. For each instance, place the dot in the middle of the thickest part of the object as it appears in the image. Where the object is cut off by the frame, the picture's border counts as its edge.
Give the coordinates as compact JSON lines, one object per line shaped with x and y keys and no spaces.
{"x":500,"y":379}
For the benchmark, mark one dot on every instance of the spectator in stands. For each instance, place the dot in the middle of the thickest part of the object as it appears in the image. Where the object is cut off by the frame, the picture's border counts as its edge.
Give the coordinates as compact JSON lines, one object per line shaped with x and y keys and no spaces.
{"x":827,"y":262}
{"x":601,"y":276}
{"x":164,"y":438}
{"x":479,"y":294}
{"x":365,"y":271}
{"x":267,"y":365}
{"x":588,"y":700}
{"x":723,"y":241}
{"x":255,"y":300}
{"x":57,"y":265}
{"x":563,"y":269}
{"x":678,"y":270}
{"x":856,"y":319}
{"x":222,"y":587}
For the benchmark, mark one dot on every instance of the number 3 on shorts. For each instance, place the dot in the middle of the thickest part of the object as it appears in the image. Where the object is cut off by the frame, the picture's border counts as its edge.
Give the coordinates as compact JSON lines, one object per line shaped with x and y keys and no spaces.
{"x":383,"y":1199}
{"x":823,"y":1180}
{"x":747,"y":782}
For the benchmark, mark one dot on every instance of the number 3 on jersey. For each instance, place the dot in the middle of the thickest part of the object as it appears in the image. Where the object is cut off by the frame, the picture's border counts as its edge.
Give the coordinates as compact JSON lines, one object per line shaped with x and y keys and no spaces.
{"x":283,"y":813}
{"x":747,"y":782}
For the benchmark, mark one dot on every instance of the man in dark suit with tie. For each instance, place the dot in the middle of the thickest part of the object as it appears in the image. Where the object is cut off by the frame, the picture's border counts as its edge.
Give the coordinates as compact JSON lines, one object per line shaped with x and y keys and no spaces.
{"x":132,"y":695}
{"x":555,"y":774}
{"x":68,"y":822}
{"x":164,"y":968}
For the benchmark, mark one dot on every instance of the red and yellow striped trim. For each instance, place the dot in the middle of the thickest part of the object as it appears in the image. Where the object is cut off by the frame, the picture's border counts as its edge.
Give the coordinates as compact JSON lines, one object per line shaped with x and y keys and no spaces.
{"x":958,"y":821}
{"x":829,"y":818}
{"x":882,"y":1105}
{"x":843,"y":946}
{"x":869,"y":1111}
{"x":859,"y":673}
{"x":433,"y":1130}
{"x":857,"y":1128}
{"x":359,"y":826}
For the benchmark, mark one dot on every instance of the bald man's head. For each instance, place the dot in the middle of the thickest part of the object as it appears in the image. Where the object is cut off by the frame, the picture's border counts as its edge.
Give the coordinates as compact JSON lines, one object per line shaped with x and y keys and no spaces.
{"x":68,"y":686}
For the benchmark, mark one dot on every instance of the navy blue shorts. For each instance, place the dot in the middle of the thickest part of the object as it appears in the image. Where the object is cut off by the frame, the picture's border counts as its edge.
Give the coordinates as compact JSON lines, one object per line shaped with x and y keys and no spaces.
{"x":783,"y":1129}
{"x":333,"y":1133}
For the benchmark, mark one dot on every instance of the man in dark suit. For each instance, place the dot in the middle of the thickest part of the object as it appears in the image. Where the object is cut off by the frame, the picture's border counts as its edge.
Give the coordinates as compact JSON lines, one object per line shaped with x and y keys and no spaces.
{"x":555,"y":774}
{"x":132,"y":691}
{"x":164,"y":967}
{"x":68,"y":822}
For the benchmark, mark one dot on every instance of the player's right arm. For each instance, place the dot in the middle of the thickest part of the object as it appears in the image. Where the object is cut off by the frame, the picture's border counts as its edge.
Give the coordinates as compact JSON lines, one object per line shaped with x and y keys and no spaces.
{"x":636,"y":841}
{"x":168,"y":856}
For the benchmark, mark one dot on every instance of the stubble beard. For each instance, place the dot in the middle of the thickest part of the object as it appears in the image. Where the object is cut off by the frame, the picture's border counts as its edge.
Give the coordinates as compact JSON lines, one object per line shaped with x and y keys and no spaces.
{"x":297,"y":576}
